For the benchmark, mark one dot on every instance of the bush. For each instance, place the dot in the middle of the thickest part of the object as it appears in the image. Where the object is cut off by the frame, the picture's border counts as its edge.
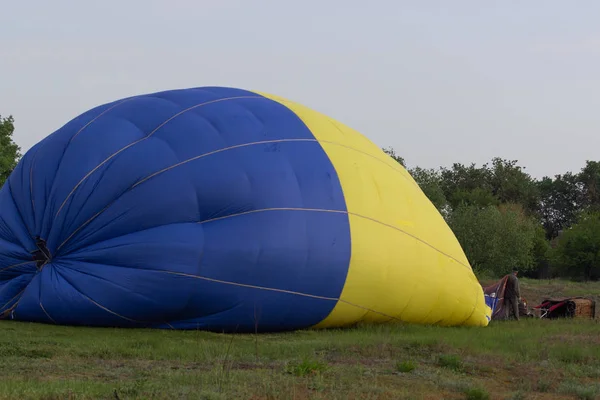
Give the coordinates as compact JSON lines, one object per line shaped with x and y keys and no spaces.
{"x":496,"y":239}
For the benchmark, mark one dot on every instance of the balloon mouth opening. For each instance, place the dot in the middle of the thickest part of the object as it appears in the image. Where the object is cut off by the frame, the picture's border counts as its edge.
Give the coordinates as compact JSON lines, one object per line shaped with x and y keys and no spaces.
{"x":42,"y":255}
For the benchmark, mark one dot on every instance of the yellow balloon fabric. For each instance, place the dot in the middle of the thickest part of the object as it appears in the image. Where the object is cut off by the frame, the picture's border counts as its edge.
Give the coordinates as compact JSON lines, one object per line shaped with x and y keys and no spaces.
{"x":406,"y":264}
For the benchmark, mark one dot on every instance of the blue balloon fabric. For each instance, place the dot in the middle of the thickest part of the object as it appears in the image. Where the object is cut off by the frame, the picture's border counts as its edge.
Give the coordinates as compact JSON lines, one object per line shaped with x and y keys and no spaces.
{"x":182,"y":209}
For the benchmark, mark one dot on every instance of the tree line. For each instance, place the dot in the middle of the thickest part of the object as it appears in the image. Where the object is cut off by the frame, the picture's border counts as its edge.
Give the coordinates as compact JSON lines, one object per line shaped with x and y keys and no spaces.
{"x":504,"y":218}
{"x":10,"y":152}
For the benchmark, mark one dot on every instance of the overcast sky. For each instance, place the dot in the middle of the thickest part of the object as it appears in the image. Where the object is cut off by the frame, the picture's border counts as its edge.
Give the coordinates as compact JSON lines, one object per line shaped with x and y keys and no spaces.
{"x":440,"y":81}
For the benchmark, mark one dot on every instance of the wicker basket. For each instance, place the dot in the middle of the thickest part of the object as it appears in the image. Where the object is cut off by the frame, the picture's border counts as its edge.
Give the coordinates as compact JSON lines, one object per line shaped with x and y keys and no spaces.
{"x":584,"y":308}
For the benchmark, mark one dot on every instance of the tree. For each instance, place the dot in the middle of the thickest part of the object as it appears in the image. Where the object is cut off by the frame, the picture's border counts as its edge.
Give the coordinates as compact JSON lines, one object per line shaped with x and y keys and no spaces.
{"x":577,"y":254}
{"x":9,"y":150}
{"x":560,"y":201}
{"x":541,"y":254}
{"x":501,"y":182}
{"x":496,"y":239}
{"x":589,"y":178}
{"x":510,"y":184}
{"x":469,"y":186}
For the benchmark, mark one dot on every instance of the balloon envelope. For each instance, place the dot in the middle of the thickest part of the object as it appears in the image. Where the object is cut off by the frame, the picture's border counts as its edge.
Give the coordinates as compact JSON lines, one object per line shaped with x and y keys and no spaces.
{"x":228,"y":210}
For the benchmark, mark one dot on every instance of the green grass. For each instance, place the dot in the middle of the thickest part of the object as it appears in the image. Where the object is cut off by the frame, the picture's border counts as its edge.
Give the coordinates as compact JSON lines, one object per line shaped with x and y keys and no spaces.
{"x":507,"y":360}
{"x":42,"y":361}
{"x":450,"y":361}
{"x":405,"y":366}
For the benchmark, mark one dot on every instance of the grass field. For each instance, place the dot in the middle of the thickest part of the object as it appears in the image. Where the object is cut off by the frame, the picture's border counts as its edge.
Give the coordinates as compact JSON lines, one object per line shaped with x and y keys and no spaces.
{"x":531,"y":359}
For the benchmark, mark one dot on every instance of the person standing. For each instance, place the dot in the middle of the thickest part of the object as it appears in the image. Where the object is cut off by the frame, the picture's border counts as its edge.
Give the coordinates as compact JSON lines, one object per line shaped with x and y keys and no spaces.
{"x":512,"y":295}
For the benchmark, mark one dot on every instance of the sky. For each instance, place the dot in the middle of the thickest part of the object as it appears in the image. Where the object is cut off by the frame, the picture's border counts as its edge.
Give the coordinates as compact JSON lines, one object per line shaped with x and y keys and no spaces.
{"x":439,"y":81}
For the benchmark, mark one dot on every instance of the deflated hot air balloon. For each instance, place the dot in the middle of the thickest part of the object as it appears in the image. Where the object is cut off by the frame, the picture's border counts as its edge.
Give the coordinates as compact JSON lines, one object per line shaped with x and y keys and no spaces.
{"x":226,"y":210}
